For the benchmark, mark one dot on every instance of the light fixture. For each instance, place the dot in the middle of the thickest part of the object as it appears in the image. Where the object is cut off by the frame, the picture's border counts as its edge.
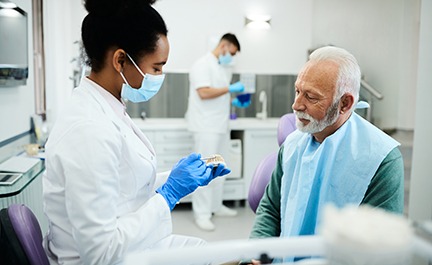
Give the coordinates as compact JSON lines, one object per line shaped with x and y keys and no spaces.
{"x":7,"y":4}
{"x":258,"y":21}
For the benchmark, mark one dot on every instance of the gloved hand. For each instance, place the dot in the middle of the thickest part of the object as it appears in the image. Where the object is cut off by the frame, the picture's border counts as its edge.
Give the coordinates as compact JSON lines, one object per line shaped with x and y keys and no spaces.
{"x":218,"y":171}
{"x":236,"y":87}
{"x":237,"y":103}
{"x":186,"y":176}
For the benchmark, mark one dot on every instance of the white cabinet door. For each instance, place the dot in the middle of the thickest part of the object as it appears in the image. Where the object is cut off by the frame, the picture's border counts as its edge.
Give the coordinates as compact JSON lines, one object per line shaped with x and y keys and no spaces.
{"x":257,"y":144}
{"x":171,"y":146}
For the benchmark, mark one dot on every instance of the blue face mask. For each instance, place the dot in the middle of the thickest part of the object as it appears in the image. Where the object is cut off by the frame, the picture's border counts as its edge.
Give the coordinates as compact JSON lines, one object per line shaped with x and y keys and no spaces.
{"x":150,"y":86}
{"x":225,"y":59}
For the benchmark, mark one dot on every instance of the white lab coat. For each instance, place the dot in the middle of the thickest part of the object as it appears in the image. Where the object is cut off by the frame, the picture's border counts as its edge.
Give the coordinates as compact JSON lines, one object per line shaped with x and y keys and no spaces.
{"x":208,"y":115}
{"x":208,"y":120}
{"x":99,"y":193}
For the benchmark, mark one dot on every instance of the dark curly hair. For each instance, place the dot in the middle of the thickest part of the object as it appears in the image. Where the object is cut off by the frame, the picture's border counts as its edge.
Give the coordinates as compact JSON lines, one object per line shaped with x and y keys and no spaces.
{"x":132,"y":25}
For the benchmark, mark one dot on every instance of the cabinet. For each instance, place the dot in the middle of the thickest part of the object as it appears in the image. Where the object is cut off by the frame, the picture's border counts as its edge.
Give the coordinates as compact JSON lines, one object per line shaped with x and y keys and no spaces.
{"x":172,"y":141}
{"x":170,"y":146}
{"x":257,"y":144}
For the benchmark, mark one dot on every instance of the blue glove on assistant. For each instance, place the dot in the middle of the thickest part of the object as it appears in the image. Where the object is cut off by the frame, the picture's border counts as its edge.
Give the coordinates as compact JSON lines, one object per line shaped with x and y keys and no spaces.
{"x":186,"y":176}
{"x":236,"y":87}
{"x":237,"y":103}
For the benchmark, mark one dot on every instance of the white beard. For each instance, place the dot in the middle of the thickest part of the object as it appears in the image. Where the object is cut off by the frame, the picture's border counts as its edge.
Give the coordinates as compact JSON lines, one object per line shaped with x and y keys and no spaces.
{"x":314,"y":125}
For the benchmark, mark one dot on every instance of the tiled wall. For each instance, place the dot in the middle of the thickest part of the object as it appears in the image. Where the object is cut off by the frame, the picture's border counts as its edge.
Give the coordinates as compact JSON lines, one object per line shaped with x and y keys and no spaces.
{"x":171,"y":101}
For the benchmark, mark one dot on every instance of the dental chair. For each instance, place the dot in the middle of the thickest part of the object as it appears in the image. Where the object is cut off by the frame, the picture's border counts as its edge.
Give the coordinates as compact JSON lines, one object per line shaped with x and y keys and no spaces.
{"x":263,"y":172}
{"x":21,"y":237}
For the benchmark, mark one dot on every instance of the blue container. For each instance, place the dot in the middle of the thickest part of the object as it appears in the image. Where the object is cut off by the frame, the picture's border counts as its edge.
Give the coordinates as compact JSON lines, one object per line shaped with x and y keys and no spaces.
{"x":243,"y":98}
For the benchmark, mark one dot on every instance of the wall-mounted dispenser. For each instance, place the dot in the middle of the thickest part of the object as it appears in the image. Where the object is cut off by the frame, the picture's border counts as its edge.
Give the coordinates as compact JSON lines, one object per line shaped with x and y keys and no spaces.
{"x":13,"y":45}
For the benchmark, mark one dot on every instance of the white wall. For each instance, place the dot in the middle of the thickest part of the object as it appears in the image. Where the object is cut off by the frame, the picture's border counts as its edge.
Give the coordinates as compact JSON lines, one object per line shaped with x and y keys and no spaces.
{"x":62,"y":27}
{"x":383,"y":35}
{"x":191,"y":24}
{"x":280,"y":50}
{"x":17,"y":103}
{"x":420,"y":201}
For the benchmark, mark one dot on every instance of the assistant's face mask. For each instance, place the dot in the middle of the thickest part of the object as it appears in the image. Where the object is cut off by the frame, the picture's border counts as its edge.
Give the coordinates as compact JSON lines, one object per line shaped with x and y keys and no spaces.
{"x":150,"y":86}
{"x":225,"y":59}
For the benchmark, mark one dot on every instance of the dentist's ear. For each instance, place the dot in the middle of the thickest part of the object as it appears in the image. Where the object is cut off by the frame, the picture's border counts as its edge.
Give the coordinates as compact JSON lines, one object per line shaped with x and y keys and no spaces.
{"x":119,"y":59}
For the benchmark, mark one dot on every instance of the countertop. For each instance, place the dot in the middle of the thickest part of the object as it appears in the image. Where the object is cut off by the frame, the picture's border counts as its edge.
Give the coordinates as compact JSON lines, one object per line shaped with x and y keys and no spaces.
{"x":150,"y":124}
{"x":24,"y":181}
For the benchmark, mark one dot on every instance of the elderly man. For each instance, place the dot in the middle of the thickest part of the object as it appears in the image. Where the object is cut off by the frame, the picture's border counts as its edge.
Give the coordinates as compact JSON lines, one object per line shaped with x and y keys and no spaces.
{"x":335,"y":156}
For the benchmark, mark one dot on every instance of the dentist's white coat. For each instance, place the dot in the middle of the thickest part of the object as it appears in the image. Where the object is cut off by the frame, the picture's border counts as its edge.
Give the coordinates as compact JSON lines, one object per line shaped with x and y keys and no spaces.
{"x":99,"y":186}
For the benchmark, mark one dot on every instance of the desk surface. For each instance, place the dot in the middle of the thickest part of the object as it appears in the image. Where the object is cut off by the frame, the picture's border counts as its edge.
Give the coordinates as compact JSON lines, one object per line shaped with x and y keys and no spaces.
{"x":21,"y":184}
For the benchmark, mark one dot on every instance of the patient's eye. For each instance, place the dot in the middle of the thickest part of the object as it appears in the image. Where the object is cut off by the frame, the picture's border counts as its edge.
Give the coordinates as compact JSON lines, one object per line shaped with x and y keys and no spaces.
{"x":311,"y":98}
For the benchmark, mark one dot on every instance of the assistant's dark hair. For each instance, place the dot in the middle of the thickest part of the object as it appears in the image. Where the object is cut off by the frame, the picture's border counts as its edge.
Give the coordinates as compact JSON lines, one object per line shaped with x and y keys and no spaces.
{"x":132,"y":25}
{"x":232,"y":39}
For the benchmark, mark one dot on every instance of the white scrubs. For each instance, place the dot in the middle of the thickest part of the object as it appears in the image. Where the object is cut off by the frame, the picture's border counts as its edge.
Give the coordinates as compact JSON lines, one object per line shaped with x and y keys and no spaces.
{"x":208,"y":120}
{"x":99,"y":188}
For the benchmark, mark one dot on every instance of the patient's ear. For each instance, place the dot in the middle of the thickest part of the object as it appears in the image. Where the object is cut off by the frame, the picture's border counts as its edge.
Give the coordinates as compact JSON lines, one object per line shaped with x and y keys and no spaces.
{"x":346,"y":103}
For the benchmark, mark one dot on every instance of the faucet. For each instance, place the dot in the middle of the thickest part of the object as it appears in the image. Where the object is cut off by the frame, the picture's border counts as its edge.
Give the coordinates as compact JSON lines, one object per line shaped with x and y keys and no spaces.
{"x":263,"y":99}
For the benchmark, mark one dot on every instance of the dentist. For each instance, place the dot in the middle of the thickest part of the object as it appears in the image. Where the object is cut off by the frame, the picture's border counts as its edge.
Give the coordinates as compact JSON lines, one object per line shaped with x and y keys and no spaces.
{"x":100,"y":192}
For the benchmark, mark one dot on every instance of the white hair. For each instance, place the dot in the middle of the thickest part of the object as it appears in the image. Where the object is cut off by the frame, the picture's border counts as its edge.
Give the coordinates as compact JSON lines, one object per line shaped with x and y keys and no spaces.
{"x":349,"y":75}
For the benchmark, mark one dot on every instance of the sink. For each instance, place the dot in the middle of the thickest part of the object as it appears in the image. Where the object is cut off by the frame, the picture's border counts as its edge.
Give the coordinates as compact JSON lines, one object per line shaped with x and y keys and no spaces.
{"x":263,"y":100}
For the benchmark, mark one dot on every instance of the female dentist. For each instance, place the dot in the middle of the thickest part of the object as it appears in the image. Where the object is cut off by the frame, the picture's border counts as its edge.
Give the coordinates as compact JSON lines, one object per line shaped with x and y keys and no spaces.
{"x":99,"y":189}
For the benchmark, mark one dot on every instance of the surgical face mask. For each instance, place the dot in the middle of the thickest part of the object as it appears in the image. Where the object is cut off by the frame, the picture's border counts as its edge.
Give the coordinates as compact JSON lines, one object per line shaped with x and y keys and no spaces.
{"x":315,"y":125}
{"x":150,"y":86}
{"x":225,"y":59}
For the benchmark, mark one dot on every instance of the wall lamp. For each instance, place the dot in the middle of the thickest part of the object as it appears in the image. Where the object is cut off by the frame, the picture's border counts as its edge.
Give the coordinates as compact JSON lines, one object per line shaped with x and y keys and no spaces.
{"x":7,"y":4}
{"x":258,"y":21}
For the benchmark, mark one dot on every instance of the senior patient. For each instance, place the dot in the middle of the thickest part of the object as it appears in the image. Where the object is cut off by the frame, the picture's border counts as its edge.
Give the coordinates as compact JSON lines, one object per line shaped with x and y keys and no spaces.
{"x":335,"y":156}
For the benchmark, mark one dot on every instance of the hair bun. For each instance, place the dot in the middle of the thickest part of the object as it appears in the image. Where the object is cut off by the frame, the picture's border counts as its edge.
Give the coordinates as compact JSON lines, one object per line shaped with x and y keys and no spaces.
{"x":107,"y":7}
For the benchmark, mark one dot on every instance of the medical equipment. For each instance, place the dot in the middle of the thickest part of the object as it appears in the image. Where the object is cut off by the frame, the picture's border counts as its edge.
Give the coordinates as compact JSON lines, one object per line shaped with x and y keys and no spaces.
{"x":242,"y":101}
{"x":243,"y":98}
{"x":237,"y":103}
{"x":346,"y":245}
{"x":233,"y":250}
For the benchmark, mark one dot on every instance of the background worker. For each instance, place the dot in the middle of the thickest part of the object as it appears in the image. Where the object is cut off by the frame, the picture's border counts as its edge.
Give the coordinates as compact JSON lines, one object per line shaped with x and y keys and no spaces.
{"x":207,"y":116}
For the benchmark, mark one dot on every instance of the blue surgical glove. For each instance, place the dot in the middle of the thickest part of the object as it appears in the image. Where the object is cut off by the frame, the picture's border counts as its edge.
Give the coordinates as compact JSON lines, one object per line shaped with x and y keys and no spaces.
{"x":185,"y":177}
{"x":236,"y":87}
{"x":237,"y":103}
{"x":219,"y":170}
